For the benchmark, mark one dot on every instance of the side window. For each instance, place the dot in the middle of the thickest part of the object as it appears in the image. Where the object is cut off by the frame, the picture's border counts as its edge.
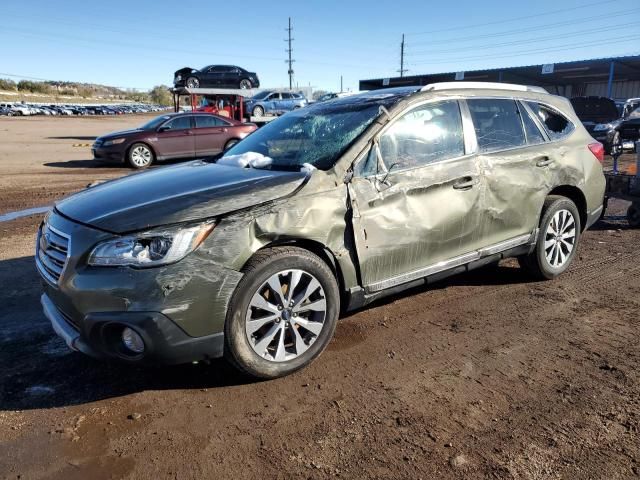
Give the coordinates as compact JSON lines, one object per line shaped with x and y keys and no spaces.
{"x":274,"y":96}
{"x":180,"y":123}
{"x":206,"y":121}
{"x":286,"y":96}
{"x":497,"y":124}
{"x":427,"y":134}
{"x":556,"y":124}
{"x":534,"y":136}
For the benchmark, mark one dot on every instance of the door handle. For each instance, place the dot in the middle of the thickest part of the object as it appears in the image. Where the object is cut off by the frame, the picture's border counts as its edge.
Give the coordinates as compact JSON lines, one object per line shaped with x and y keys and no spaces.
{"x":465,"y":183}
{"x":188,"y":132}
{"x":544,"y":161}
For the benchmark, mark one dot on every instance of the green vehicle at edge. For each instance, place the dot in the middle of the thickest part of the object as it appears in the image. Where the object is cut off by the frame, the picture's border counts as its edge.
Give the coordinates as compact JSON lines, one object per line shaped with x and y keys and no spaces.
{"x":254,"y":255}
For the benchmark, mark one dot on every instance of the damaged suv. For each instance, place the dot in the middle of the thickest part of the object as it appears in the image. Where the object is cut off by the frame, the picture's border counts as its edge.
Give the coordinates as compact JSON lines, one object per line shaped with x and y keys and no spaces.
{"x":253,"y":256}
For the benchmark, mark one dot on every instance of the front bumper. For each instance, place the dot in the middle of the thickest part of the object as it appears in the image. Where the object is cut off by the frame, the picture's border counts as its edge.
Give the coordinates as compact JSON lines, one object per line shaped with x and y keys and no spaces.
{"x":98,"y":336}
{"x":179,"y":309}
{"x":112,"y":154}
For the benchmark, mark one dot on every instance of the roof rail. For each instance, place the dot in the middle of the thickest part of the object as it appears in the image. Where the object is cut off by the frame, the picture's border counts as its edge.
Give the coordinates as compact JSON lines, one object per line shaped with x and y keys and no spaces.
{"x":432,"y":87}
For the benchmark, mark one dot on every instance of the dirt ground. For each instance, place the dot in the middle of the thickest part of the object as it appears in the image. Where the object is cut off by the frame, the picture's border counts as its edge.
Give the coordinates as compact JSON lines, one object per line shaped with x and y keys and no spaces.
{"x":486,"y":375}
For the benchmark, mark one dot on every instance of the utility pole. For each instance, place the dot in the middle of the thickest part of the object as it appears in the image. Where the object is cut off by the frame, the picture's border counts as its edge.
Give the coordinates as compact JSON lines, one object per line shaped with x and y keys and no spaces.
{"x":402,"y":69}
{"x":341,"y":90}
{"x":290,"y":51}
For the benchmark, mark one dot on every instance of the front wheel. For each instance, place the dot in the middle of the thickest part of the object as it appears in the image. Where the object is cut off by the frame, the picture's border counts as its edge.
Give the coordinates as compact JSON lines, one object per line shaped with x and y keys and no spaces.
{"x":557,"y":241}
{"x":258,"y":111}
{"x":140,"y":156}
{"x":245,"y":84}
{"x":283,"y":313}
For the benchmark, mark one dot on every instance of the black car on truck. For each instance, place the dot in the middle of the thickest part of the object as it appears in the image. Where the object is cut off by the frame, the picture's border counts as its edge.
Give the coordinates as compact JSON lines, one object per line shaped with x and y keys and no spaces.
{"x":216,"y":76}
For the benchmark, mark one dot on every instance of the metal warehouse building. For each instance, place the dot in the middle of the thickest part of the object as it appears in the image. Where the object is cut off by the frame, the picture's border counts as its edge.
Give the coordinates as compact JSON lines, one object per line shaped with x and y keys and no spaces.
{"x":617,"y":77}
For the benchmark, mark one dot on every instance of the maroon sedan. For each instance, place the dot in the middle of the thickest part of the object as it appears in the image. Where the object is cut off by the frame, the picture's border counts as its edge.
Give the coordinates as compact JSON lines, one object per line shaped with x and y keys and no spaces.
{"x":178,"y":135}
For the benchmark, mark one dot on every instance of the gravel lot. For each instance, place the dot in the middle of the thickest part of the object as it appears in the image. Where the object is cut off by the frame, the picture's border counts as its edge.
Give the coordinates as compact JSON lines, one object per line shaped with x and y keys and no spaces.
{"x":488,"y":375}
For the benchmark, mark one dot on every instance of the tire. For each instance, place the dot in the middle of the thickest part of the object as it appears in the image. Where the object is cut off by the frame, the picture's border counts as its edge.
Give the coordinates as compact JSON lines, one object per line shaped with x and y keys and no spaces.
{"x":230,"y":144}
{"x":192,"y":82}
{"x":245,"y":84}
{"x":553,"y":253}
{"x":140,"y":156}
{"x":257,"y":111}
{"x":284,"y":345}
{"x":615,"y":148}
{"x":633,"y":215}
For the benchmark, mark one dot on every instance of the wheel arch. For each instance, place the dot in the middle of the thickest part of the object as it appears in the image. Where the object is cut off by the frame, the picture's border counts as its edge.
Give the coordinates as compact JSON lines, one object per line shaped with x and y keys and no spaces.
{"x":318,"y":249}
{"x":576,"y":195}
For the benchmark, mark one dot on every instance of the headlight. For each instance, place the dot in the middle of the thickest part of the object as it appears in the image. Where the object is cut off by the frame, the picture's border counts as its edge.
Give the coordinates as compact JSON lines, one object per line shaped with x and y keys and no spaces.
{"x":602,"y":126}
{"x":178,"y":78}
{"x":152,"y":248}
{"x":115,"y":141}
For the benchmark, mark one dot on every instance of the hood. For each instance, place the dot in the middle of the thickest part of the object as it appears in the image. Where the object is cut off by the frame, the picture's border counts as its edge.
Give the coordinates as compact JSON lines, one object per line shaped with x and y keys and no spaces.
{"x":121,"y":133}
{"x":184,"y":71}
{"x":187,"y":192}
{"x":595,"y":109}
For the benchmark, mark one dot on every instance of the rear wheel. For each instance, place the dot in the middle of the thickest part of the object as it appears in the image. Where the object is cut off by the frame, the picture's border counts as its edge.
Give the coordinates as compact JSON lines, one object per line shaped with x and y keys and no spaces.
{"x":245,"y":84}
{"x":557,"y":241}
{"x":140,"y":156}
{"x":230,"y":144}
{"x":283,"y":313}
{"x":633,"y":215}
{"x":193,"y":82}
{"x":258,"y":111}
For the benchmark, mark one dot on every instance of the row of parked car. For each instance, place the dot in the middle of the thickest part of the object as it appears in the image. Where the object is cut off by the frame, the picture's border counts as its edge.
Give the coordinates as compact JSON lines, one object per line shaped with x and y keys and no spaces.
{"x":614,"y":124}
{"x":27,"y":109}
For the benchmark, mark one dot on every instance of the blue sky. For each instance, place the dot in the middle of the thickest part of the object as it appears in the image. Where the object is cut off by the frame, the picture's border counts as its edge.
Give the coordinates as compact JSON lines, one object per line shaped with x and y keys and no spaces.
{"x":139,"y":44}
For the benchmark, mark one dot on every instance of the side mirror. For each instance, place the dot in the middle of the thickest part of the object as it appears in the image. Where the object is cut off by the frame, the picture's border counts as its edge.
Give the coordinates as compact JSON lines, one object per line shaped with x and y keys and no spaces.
{"x":164,"y":128}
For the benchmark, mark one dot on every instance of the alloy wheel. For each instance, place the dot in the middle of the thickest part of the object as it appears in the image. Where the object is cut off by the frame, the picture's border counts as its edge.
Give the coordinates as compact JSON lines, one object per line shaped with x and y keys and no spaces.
{"x":560,"y":238}
{"x":286,"y":315}
{"x":141,"y":156}
{"x":245,"y":84}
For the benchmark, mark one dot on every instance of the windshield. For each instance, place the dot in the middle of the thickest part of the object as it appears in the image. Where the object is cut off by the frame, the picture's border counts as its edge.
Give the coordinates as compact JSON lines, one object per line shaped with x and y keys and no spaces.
{"x":630,"y":108}
{"x":155,"y":123}
{"x":312,"y":136}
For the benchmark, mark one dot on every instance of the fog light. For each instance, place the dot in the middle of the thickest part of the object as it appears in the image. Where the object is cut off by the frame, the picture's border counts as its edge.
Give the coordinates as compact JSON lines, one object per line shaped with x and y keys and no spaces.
{"x":132,"y":340}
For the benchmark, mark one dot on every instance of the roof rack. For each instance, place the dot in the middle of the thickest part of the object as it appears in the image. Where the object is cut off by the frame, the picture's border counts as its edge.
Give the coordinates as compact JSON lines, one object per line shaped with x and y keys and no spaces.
{"x":489,"y":85}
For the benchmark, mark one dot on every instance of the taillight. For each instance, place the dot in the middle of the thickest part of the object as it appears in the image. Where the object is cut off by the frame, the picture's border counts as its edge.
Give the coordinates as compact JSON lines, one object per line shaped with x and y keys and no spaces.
{"x":598,"y":151}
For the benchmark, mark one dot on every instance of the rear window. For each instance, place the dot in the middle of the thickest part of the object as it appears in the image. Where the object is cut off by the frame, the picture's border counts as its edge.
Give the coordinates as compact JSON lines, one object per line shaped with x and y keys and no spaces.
{"x":556,"y":124}
{"x":497,"y":124}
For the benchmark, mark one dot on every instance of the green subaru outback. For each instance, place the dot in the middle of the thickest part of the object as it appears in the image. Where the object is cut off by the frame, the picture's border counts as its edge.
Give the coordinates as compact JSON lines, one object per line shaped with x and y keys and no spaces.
{"x":254,"y":255}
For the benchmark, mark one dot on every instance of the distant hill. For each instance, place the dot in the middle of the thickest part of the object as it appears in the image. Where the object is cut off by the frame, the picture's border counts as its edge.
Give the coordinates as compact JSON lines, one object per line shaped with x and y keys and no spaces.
{"x":51,"y":88}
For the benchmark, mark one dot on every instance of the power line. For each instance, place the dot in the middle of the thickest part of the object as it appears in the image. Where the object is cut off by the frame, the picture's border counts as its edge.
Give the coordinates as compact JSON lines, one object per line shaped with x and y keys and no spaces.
{"x":543,"y":50}
{"x":514,"y":19}
{"x":530,"y":29}
{"x":522,"y":42}
{"x":27,"y":77}
{"x":290,"y":52}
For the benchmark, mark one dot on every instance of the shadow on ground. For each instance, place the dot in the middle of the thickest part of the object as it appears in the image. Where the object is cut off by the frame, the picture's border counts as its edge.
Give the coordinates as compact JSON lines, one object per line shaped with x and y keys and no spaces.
{"x":74,"y":138}
{"x":41,"y":372}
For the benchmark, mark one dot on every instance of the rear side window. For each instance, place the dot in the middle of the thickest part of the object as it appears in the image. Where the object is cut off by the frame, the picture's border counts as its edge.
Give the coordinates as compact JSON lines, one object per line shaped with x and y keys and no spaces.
{"x":424,"y":135}
{"x":205,"y":121}
{"x":497,"y":124}
{"x":534,"y":136}
{"x":556,"y":124}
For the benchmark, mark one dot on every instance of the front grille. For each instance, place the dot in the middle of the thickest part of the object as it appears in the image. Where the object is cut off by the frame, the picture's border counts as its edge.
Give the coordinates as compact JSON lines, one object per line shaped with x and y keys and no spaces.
{"x":52,"y":252}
